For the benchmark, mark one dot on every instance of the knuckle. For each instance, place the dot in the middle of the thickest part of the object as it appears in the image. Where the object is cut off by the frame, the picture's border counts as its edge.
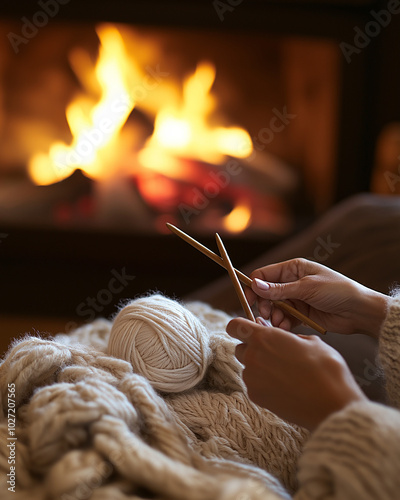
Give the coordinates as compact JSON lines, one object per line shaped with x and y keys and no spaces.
{"x":298,"y":263}
{"x":334,"y":363}
{"x":303,"y":266}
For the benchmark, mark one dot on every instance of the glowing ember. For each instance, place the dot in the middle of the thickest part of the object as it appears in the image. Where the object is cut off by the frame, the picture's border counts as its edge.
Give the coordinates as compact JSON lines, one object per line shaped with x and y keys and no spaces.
{"x":238,"y":219}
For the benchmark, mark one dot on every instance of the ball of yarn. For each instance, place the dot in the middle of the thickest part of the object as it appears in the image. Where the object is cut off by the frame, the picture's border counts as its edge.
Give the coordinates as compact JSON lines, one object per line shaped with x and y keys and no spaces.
{"x":163,"y":341}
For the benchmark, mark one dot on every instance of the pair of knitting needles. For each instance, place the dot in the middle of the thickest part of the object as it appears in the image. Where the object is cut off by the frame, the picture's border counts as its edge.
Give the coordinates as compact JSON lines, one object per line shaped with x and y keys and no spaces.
{"x":236,"y":275}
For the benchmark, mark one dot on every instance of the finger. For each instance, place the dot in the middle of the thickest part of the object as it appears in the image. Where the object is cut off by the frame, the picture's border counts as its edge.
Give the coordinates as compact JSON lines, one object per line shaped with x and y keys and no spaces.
{"x":279,"y":272}
{"x":277,"y":317}
{"x":286,"y":324}
{"x":264,"y":308}
{"x":263,"y":322}
{"x":250,"y":295}
{"x":240,"y":351}
{"x":278,"y":291}
{"x":241,"y":329}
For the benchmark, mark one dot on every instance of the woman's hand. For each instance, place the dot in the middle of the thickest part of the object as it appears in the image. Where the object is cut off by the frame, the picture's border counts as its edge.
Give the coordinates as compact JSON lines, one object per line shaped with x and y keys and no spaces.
{"x":299,"y":378}
{"x":327,"y":297}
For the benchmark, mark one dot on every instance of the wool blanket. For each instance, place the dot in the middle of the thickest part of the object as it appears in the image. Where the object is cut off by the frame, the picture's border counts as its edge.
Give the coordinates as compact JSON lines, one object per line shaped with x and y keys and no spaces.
{"x":87,"y":426}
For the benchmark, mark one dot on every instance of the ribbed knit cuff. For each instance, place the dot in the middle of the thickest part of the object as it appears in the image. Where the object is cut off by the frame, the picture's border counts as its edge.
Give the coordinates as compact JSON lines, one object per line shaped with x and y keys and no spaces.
{"x":389,"y":350}
{"x":354,"y":454}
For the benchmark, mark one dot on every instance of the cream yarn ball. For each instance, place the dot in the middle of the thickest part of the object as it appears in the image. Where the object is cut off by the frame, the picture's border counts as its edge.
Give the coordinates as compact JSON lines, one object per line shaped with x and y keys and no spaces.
{"x":163,"y":341}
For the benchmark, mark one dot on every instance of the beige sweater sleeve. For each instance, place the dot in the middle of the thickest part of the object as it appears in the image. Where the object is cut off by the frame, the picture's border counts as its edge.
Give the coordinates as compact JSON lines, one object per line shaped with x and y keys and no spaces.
{"x":355,"y":454}
{"x":389,"y":352}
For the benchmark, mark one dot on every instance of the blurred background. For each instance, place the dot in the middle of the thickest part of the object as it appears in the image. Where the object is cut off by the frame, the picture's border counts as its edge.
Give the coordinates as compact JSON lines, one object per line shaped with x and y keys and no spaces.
{"x":252,"y":118}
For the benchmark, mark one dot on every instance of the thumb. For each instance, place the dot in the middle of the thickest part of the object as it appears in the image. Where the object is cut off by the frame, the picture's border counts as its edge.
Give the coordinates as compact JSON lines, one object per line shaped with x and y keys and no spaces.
{"x":276,"y":291}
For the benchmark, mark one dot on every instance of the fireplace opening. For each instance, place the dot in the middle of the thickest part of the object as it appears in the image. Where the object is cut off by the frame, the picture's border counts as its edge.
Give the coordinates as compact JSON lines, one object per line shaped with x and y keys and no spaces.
{"x":251,"y":126}
{"x":125,"y":128}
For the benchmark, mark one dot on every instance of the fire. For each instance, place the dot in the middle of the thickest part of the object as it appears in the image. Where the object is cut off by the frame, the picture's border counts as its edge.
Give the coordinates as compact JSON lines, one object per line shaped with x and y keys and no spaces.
{"x":182,"y":130}
{"x":182,"y":141}
{"x":238,"y":219}
{"x":95,"y":126}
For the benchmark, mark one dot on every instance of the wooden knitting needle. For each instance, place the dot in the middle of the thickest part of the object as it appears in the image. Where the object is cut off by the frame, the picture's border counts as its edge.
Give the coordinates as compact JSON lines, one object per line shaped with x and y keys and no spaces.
{"x":245,"y":279}
{"x":234,"y":278}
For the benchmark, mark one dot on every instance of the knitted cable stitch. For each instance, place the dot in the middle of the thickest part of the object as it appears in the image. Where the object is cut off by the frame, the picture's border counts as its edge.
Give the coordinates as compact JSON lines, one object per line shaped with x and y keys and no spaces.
{"x":89,"y":427}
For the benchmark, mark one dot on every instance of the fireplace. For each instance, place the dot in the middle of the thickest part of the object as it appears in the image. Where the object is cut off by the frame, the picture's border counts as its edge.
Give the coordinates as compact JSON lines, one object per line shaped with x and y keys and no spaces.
{"x":139,"y":126}
{"x":237,"y":117}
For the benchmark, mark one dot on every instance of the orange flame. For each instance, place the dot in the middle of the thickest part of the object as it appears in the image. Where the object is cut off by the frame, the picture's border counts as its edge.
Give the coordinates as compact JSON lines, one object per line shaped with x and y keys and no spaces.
{"x":183,"y":130}
{"x":95,"y":127}
{"x":238,"y":219}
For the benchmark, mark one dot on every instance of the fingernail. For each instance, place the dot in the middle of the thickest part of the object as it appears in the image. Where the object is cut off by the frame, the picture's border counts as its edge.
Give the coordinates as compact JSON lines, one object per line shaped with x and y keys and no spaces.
{"x":262,"y":285}
{"x":261,"y":321}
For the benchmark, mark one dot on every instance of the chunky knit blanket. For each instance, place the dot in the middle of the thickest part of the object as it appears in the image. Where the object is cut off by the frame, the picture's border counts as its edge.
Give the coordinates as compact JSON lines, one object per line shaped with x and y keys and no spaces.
{"x":87,"y":426}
